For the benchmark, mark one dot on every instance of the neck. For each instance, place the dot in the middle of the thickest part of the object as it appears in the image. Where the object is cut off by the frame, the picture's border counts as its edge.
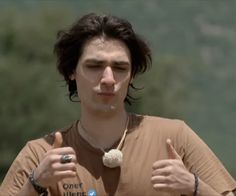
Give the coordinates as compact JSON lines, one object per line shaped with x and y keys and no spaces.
{"x":103,"y":131}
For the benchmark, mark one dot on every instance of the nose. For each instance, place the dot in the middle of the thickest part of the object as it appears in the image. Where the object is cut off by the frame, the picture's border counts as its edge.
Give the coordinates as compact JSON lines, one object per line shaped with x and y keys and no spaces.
{"x":108,"y":77}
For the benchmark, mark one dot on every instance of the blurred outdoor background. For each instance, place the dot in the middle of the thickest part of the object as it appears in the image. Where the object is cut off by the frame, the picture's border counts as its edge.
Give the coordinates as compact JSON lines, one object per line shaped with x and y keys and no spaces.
{"x":193,"y":75}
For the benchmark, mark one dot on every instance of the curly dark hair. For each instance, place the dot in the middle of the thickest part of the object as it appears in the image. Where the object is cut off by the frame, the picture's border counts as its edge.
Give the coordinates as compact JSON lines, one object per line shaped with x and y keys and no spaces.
{"x":69,"y":45}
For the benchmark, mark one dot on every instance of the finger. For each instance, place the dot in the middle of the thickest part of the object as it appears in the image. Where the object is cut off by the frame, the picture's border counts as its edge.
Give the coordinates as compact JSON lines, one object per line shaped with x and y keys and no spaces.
{"x":162,"y":172}
{"x":172,"y":154}
{"x":163,"y":163}
{"x":58,"y":140}
{"x":161,"y":186}
{"x":72,"y":158}
{"x":63,"y":167}
{"x":64,"y":174}
{"x":160,"y":179}
{"x":63,"y":151}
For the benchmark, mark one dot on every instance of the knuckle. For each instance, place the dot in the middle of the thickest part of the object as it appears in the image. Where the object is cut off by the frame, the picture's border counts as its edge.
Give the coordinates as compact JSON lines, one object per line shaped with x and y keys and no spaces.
{"x":170,"y":169}
{"x":54,"y":166}
{"x":71,"y":150}
{"x":155,"y":186}
{"x":71,"y":166}
{"x":153,"y":180}
{"x":74,"y":159}
{"x":73,"y":173}
{"x":51,"y":158}
{"x":55,"y":173}
{"x":154,"y":165}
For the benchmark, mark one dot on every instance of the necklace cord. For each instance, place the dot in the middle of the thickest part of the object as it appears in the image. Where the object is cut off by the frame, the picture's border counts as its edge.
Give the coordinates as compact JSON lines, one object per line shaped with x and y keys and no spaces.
{"x":121,"y":141}
{"x":124,"y":135}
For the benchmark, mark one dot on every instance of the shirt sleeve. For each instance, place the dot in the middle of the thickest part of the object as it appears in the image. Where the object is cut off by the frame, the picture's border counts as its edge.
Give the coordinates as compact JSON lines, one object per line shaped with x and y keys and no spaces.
{"x":199,"y":159}
{"x":26,"y":161}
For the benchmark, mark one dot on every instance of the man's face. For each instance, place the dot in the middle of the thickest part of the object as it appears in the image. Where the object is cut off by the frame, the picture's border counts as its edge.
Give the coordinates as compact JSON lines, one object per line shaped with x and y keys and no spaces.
{"x":103,"y":74}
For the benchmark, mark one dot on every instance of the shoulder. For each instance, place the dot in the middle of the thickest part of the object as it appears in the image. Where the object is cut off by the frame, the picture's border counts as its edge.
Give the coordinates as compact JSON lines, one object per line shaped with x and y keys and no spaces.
{"x":156,"y":122}
{"x":41,"y":145}
{"x":160,"y":129}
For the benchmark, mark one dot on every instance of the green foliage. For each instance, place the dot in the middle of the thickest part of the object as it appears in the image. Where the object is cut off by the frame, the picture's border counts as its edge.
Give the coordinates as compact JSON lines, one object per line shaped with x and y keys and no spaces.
{"x":192,"y":76}
{"x":163,"y":89}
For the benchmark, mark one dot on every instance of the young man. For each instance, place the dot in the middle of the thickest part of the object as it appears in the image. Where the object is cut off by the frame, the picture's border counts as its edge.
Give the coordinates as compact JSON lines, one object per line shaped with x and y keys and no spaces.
{"x":109,"y":151}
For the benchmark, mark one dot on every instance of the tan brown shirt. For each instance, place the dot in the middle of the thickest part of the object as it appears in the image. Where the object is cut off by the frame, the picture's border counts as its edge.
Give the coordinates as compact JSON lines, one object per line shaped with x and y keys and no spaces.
{"x":144,"y":144}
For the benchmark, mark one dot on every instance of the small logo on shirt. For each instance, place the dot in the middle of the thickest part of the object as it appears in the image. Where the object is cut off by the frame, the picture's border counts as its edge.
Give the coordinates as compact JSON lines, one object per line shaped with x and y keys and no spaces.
{"x":92,"y":192}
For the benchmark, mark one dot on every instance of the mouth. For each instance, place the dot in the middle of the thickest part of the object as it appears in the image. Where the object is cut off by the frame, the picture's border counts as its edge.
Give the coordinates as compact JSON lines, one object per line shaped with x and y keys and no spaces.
{"x":106,"y":94}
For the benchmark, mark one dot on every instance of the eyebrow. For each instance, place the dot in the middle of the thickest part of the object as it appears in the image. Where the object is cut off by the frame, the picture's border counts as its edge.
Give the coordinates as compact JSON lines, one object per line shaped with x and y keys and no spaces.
{"x":97,"y":61}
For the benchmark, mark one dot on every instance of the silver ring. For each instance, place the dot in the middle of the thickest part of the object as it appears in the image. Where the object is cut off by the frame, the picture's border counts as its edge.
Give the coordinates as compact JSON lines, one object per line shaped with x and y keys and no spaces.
{"x":65,"y":158}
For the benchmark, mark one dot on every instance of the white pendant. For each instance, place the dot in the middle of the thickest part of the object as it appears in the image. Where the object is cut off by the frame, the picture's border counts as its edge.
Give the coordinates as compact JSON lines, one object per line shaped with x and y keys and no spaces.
{"x":112,"y":158}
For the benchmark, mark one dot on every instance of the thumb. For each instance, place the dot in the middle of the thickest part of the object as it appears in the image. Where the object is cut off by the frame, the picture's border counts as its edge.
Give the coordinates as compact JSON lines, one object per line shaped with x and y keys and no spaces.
{"x":172,"y":154}
{"x":58,"y":140}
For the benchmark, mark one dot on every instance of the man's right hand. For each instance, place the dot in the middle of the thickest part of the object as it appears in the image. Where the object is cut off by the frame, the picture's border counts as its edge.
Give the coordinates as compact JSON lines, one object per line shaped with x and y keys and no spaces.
{"x":50,"y":169}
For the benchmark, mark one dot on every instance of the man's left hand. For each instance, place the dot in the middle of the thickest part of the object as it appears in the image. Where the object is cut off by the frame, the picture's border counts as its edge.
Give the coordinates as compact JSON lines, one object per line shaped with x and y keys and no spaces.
{"x":171,"y":175}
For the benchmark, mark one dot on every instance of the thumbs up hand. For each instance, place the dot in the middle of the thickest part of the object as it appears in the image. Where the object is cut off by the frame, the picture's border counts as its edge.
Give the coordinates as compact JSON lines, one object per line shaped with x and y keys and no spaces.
{"x":58,"y":140}
{"x":170,"y":175}
{"x":58,"y":163}
{"x":172,"y":154}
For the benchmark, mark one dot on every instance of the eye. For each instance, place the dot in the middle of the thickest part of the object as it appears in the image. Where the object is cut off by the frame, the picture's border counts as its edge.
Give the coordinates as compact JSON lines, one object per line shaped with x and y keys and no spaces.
{"x":94,"y":66}
{"x":120,"y":68}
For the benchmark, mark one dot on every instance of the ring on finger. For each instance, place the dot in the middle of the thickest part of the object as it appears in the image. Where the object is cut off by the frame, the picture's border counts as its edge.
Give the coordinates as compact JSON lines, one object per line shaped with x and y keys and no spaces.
{"x":65,"y":158}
